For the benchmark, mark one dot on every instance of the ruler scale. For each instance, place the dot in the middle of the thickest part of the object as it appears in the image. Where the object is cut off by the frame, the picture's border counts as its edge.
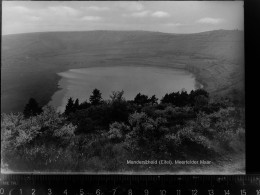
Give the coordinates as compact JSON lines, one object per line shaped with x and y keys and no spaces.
{"x":129,"y":185}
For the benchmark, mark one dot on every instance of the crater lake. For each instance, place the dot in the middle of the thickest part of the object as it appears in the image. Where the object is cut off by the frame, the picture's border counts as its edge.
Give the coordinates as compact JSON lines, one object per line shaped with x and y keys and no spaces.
{"x":79,"y":83}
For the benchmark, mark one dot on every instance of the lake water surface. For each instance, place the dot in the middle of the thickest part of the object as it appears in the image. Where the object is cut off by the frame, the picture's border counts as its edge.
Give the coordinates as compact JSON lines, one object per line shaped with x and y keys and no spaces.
{"x":79,"y":83}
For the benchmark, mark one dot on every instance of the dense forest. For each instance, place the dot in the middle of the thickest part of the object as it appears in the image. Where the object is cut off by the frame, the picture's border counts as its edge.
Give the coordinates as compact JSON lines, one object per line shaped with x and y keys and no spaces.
{"x":101,"y":135}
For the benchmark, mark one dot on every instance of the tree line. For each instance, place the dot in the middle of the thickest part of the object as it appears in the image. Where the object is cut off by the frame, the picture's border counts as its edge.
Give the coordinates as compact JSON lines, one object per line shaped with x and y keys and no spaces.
{"x":197,"y":98}
{"x":97,"y":113}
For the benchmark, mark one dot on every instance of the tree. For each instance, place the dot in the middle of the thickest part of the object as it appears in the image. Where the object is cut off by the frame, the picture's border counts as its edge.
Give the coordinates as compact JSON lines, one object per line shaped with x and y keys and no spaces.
{"x":32,"y":108}
{"x":196,"y":93}
{"x":200,"y":102}
{"x":95,"y":98}
{"x":69,"y":107}
{"x":117,"y":96}
{"x":76,"y":104}
{"x":119,"y":110}
{"x":165,"y":99}
{"x":183,"y":99}
{"x":153,"y":100}
{"x":171,"y":98}
{"x":84,"y":105}
{"x":141,"y":99}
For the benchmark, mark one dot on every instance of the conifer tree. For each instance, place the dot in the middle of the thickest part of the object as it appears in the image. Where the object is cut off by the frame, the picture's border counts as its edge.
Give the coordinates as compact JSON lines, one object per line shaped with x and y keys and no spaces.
{"x":32,"y":108}
{"x":95,"y":98}
{"x":69,"y":107}
{"x":76,"y":105}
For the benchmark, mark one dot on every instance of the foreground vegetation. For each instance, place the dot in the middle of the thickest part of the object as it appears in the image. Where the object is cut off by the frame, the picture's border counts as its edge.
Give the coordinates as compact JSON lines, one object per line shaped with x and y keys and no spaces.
{"x":101,"y":135}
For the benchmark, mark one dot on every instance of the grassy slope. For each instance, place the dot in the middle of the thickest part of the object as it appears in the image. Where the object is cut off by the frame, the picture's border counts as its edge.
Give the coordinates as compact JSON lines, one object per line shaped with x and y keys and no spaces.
{"x":30,"y":61}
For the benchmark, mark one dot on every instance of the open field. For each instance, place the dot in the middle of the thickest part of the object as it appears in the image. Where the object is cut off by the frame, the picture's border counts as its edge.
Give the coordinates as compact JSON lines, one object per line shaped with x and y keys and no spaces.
{"x":30,"y":61}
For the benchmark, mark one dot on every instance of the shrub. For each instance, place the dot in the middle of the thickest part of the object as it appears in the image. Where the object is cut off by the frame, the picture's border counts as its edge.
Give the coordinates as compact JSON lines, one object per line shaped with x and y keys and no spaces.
{"x":15,"y":133}
{"x":117,"y":131}
{"x":146,"y":134}
{"x":38,"y":139}
{"x":195,"y":142}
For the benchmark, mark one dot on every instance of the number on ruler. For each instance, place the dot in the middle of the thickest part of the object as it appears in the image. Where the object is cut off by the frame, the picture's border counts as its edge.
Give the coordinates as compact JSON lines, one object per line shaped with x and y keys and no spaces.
{"x":81,"y":192}
{"x":49,"y":191}
{"x":243,"y":192}
{"x":98,"y":192}
{"x":65,"y":192}
{"x":21,"y":191}
{"x":2,"y":191}
{"x":33,"y":191}
{"x":178,"y":192}
{"x":194,"y":192}
{"x":146,"y":192}
{"x":211,"y":192}
{"x":257,"y":192}
{"x":114,"y":191}
{"x":227,"y":192}
{"x":130,"y":192}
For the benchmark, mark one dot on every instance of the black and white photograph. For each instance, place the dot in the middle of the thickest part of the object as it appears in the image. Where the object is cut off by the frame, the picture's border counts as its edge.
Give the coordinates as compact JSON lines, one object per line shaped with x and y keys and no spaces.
{"x":123,"y":87}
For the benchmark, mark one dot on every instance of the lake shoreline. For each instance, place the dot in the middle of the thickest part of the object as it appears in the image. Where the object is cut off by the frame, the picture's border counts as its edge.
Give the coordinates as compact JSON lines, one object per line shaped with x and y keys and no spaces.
{"x":60,"y":93}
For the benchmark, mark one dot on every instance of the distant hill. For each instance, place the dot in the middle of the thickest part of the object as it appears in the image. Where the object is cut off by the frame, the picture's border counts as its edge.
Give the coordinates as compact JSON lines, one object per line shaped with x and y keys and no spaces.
{"x":30,"y":61}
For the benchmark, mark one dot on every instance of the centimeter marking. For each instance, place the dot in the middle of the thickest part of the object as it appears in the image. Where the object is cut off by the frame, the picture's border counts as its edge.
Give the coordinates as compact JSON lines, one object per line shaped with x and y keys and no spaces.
{"x":129,"y":184}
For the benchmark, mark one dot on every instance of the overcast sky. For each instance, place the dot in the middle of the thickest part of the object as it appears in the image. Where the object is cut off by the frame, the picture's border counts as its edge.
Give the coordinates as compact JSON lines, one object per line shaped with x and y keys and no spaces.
{"x":163,"y":16}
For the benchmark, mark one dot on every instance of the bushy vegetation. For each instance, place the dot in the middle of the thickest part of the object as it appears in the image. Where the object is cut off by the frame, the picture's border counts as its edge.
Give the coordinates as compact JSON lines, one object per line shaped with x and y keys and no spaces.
{"x":101,"y":135}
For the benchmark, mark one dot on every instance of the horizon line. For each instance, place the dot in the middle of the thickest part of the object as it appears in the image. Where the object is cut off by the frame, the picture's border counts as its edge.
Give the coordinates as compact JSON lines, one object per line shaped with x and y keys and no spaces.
{"x":121,"y":31}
